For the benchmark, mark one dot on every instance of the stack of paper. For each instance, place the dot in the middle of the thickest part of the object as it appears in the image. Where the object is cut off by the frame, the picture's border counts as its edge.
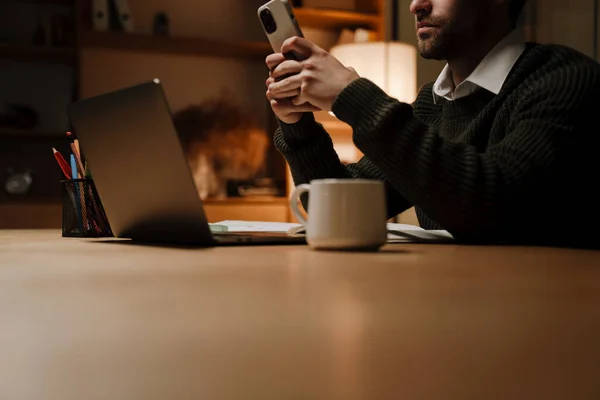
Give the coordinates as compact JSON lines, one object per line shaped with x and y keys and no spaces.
{"x":397,"y":233}
{"x":255,"y":226}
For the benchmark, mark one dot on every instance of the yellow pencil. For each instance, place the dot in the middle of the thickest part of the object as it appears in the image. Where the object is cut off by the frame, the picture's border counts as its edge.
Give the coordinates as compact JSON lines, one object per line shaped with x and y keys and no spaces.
{"x":75,"y":149}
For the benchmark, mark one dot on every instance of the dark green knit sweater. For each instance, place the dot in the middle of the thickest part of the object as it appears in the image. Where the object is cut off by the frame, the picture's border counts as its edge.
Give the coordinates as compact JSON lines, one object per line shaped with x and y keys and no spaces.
{"x":520,"y":167}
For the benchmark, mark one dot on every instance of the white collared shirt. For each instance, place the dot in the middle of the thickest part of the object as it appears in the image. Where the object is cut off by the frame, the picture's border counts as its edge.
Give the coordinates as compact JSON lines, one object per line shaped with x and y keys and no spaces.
{"x":490,"y":74}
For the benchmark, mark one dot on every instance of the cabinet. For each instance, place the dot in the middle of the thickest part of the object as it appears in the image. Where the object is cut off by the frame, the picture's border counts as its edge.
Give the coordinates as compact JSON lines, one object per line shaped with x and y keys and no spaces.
{"x":205,"y":51}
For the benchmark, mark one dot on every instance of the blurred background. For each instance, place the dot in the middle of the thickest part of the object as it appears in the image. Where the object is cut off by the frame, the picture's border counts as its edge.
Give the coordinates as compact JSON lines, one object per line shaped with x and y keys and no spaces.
{"x":209,"y":57}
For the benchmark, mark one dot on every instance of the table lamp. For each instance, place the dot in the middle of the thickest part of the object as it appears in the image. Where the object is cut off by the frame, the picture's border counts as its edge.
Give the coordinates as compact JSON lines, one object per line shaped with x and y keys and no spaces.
{"x":390,"y":65}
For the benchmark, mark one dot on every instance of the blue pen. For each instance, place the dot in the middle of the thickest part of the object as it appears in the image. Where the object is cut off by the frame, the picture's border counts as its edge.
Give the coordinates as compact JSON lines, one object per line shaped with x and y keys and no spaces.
{"x":74,"y":175}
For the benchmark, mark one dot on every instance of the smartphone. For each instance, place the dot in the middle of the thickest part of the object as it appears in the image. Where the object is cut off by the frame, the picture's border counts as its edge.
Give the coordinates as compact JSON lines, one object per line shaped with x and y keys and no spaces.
{"x":279,"y":23}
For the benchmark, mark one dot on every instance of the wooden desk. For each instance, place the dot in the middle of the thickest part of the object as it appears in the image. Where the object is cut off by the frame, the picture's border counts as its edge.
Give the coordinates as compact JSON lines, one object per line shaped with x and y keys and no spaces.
{"x":86,"y":320}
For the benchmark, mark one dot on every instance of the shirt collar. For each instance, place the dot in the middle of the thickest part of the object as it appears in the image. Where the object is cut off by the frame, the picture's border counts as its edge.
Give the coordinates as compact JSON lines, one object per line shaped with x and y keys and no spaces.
{"x":490,"y":74}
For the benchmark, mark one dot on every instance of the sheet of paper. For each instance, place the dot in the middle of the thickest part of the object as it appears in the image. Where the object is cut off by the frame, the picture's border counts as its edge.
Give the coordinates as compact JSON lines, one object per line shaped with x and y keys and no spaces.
{"x":405,"y":233}
{"x":404,"y":227}
{"x":419,"y":236}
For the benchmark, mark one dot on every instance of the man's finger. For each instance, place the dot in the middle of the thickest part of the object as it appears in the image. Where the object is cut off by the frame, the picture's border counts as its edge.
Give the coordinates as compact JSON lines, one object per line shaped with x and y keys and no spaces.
{"x":283,"y":95}
{"x":289,"y":83}
{"x":301,"y":47}
{"x":285,"y":68}
{"x":274,"y":60}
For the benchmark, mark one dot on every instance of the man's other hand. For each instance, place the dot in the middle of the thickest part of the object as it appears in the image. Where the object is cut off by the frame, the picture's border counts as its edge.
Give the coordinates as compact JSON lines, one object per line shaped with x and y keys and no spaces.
{"x":282,"y":104}
{"x":316,"y":80}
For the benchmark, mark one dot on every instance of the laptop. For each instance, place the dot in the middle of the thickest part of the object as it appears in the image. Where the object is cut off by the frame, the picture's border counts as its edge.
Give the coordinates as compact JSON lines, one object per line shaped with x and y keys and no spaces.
{"x":141,"y":172}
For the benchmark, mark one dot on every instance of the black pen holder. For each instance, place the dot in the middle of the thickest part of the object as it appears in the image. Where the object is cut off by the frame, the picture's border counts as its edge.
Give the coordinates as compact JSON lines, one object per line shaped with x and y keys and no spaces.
{"x":82,"y":211}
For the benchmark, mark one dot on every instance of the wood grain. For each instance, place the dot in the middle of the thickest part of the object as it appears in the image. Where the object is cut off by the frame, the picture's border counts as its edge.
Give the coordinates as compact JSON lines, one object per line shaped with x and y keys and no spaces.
{"x":105,"y":319}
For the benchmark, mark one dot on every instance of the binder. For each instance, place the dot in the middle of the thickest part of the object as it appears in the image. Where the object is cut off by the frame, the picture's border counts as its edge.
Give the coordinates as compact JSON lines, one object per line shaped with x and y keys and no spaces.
{"x":100,"y":15}
{"x":123,"y":15}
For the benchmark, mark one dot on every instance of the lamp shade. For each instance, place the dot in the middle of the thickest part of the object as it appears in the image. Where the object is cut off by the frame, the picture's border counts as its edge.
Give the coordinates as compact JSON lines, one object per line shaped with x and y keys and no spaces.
{"x":390,"y":65}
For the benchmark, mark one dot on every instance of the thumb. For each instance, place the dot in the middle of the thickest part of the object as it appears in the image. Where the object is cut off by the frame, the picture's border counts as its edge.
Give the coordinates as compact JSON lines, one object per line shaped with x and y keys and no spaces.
{"x":300,"y":99}
{"x":299,"y":46}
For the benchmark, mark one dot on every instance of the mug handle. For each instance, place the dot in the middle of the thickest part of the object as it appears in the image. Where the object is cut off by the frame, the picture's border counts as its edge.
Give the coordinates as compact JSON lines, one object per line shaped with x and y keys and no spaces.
{"x":295,"y":199}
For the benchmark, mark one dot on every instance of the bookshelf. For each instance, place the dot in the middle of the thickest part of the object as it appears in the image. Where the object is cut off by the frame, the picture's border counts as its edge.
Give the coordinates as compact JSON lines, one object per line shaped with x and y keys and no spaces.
{"x":38,"y":54}
{"x":136,"y":42}
{"x":33,"y":144}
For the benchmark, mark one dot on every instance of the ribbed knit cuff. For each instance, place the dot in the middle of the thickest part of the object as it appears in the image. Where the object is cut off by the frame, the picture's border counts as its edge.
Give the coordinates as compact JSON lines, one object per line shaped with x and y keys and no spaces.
{"x":362,"y":104}
{"x":300,"y":131}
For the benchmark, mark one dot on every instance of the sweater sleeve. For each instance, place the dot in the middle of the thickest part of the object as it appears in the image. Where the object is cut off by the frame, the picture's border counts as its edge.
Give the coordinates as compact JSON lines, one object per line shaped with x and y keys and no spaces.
{"x":309,"y":152}
{"x":473,"y":194}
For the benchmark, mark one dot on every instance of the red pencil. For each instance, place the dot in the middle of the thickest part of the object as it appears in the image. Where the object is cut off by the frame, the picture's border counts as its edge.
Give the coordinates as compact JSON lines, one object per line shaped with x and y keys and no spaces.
{"x":62,"y":163}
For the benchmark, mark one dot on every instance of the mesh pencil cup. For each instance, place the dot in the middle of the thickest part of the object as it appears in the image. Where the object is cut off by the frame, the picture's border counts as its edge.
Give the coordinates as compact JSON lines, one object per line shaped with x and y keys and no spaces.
{"x":82,"y":211}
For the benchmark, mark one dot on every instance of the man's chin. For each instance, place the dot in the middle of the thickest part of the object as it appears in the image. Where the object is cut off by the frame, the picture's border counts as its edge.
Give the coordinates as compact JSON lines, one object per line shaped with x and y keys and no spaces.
{"x":429,"y":52}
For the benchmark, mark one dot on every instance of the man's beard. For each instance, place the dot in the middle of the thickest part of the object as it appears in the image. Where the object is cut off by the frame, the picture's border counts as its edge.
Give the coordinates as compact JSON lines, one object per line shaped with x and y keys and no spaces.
{"x":434,"y":46}
{"x":442,"y":43}
{"x":449,"y":38}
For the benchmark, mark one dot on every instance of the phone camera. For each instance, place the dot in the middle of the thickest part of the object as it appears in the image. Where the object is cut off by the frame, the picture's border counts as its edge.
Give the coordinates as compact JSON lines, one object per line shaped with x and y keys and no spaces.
{"x":267,"y":20}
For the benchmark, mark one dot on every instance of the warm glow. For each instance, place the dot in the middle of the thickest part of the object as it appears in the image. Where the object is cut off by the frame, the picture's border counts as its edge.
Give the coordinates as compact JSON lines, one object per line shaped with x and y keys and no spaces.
{"x":390,"y":65}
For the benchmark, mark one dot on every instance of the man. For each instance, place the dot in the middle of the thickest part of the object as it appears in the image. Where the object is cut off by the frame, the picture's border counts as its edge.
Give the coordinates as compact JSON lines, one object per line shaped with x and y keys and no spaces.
{"x":502,"y":148}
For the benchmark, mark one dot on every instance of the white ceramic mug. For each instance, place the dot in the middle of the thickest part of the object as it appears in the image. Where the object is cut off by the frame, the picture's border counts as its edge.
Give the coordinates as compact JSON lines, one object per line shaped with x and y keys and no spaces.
{"x":343,"y":213}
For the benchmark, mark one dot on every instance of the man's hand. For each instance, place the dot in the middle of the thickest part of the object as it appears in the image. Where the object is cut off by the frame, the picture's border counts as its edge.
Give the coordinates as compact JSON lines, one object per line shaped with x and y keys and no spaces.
{"x":282,"y":104}
{"x":315,"y":80}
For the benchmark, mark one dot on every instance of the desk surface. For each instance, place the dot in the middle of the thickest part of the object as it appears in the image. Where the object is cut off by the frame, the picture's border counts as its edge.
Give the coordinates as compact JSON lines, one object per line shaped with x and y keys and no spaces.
{"x":82,"y":319}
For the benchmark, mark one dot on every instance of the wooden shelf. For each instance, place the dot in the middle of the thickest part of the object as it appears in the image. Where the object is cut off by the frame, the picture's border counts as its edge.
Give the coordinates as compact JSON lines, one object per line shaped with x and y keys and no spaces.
{"x":57,"y":137}
{"x":38,"y":54}
{"x":335,"y":19}
{"x":186,"y":46}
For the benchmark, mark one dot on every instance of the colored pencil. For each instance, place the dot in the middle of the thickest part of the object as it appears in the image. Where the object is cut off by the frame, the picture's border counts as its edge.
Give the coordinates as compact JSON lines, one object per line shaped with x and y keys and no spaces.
{"x":64,"y":166}
{"x":78,"y":193}
{"x":88,"y":173}
{"x":75,"y":149}
{"x":76,"y":143}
